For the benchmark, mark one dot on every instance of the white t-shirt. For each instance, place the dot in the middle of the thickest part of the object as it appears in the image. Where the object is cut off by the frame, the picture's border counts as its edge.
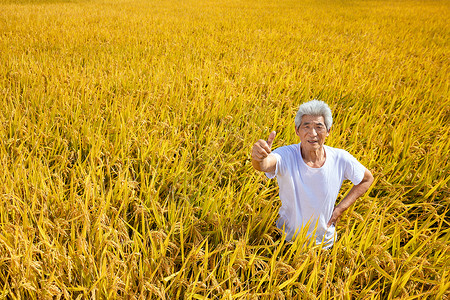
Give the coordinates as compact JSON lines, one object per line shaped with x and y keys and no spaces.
{"x":308,"y":195}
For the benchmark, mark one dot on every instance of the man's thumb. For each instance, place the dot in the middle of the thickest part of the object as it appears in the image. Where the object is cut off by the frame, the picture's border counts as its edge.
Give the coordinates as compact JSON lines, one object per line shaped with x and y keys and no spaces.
{"x":271,"y":138}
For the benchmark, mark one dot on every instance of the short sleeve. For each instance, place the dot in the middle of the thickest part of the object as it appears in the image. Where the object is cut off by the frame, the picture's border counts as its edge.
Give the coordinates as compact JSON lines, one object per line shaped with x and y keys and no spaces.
{"x":354,"y":170}
{"x":284,"y":156}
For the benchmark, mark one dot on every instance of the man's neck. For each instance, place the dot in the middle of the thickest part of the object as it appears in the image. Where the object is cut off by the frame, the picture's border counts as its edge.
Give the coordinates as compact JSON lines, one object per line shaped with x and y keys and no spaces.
{"x":314,"y":158}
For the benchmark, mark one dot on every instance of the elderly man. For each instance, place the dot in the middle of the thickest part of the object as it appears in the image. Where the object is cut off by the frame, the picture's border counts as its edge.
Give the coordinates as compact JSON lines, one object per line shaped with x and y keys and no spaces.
{"x":310,"y":175}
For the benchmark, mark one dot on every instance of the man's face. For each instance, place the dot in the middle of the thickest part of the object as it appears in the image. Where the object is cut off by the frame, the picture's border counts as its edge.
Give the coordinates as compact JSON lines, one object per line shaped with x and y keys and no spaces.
{"x":312,"y":132}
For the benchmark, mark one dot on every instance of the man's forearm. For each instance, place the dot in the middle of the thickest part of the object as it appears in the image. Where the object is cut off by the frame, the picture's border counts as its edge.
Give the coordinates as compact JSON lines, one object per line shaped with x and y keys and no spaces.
{"x":265,"y":165}
{"x":355,"y":192}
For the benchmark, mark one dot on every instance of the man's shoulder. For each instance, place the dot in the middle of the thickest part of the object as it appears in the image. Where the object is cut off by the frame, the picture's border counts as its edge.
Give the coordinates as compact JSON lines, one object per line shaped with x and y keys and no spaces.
{"x":287,"y":149}
{"x":337,"y":152}
{"x":334,"y":150}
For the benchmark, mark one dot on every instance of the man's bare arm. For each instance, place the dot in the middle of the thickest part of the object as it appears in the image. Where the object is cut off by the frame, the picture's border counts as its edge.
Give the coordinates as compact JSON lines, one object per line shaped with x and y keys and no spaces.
{"x":356,"y":192}
{"x":261,"y":158}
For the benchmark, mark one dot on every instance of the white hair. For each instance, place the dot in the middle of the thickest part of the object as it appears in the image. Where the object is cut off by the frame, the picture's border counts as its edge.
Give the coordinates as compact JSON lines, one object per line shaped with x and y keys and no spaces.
{"x":314,"y":108}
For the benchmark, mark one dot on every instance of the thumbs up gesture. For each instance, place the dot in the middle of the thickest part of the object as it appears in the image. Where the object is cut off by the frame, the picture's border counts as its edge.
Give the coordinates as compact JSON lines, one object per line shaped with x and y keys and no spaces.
{"x":261,"y":149}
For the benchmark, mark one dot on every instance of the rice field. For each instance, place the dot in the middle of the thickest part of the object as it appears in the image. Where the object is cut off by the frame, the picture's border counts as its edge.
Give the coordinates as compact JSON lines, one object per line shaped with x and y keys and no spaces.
{"x":125,"y":136}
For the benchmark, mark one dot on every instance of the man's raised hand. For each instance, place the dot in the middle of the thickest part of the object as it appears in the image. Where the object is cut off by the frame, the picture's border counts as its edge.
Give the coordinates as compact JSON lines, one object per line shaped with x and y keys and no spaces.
{"x":261,"y":149}
{"x":271,"y":138}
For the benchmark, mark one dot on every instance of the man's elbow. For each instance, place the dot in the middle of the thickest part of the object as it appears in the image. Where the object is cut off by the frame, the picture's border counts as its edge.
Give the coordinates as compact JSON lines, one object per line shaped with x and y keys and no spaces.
{"x":371,"y":179}
{"x":368,"y":179}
